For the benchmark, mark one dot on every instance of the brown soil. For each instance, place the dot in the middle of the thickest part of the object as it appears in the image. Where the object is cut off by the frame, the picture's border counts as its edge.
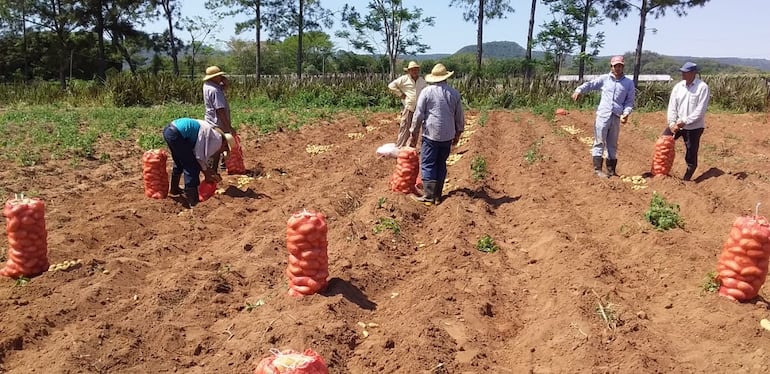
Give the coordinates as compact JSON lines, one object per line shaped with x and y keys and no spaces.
{"x":164,"y":289}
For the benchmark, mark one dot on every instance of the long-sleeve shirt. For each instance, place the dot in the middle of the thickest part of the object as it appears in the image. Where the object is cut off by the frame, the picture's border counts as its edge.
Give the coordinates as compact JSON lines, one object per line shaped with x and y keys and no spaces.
{"x":409,"y":87}
{"x":617,"y":94}
{"x":213,"y":99}
{"x":206,"y":142}
{"x":439,"y":111}
{"x":689,"y":103}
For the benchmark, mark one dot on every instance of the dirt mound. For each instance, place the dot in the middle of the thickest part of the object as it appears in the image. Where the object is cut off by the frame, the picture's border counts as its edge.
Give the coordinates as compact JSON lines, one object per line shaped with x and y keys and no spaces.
{"x":166,"y":289}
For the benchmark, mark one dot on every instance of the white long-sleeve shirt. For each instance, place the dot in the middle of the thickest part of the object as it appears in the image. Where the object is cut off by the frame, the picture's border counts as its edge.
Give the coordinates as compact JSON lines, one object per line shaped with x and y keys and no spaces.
{"x":689,"y":103}
{"x":409,"y":87}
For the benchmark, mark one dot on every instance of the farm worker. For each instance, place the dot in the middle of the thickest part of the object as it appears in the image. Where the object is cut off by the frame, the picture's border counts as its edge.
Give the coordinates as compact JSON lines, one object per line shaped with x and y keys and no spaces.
{"x":217,"y":108}
{"x":192,"y":143}
{"x":686,"y":114}
{"x":408,"y":88}
{"x":617,"y":101}
{"x":439,"y":112}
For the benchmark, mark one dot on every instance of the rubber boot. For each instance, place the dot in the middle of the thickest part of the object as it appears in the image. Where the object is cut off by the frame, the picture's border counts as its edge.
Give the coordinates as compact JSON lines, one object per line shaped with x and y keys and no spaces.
{"x":175,"y":190}
{"x":429,"y":193}
{"x":439,"y":192}
{"x":192,"y":196}
{"x":688,"y":174}
{"x":611,"y":165}
{"x":598,"y":161}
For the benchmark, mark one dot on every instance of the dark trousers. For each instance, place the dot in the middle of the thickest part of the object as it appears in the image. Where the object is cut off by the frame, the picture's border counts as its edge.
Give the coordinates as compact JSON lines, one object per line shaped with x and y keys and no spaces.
{"x":691,"y":144}
{"x":433,"y":156}
{"x":184,"y":157}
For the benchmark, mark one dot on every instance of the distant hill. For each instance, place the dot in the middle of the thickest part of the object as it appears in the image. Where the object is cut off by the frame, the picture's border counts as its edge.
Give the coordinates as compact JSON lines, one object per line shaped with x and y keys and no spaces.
{"x":653,"y":62}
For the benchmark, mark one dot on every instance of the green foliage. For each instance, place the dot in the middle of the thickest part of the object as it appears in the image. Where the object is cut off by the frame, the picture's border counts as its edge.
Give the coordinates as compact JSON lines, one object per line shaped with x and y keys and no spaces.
{"x":479,"y":168}
{"x":385,"y":223}
{"x":381,"y":202}
{"x":21,"y":281}
{"x":487,"y":244}
{"x":711,"y":283}
{"x":662,"y":215}
{"x":483,"y":118}
{"x":251,"y":306}
{"x":533,"y":153}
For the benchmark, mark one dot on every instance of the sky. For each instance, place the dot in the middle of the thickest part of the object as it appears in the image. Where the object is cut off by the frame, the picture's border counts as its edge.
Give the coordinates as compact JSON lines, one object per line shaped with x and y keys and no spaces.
{"x":723,"y":28}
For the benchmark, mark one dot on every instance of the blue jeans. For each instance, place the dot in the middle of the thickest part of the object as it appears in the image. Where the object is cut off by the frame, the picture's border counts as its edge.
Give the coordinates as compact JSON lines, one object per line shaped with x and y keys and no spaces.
{"x":433,"y":156}
{"x":606,"y":132}
{"x":184,"y":157}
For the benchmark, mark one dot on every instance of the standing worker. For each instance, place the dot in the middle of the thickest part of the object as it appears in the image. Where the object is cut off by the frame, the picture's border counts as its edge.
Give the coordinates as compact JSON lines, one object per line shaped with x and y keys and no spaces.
{"x":192,"y":143}
{"x":616,"y":104}
{"x":217,"y":108}
{"x":439,"y":112}
{"x":687,"y":112}
{"x":408,"y":88}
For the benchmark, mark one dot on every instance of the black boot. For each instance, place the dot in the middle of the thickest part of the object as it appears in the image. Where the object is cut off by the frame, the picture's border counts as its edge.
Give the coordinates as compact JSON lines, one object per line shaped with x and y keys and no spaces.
{"x":688,"y":174}
{"x":598,"y":161}
{"x":429,"y":193}
{"x":439,"y":192}
{"x":611,"y":164}
{"x":175,"y":190}
{"x":191,"y":193}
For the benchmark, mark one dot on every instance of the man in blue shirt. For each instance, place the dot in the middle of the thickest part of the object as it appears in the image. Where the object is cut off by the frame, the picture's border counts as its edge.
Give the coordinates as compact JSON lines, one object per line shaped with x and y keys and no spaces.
{"x":439,"y":112}
{"x":617,"y":102}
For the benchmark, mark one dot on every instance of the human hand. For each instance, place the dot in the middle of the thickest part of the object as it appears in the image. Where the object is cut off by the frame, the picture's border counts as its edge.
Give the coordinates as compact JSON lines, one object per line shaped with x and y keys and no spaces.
{"x":456,"y":140}
{"x":624,"y":118}
{"x":575,"y":96}
{"x":673,"y":127}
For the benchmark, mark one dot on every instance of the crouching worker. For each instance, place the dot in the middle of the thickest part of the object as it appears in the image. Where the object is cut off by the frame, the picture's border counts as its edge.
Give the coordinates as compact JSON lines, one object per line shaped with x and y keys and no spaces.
{"x":192,"y":143}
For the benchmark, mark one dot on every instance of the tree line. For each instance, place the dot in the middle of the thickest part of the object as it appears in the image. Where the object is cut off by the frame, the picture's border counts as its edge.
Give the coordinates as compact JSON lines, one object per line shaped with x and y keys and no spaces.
{"x":86,"y":39}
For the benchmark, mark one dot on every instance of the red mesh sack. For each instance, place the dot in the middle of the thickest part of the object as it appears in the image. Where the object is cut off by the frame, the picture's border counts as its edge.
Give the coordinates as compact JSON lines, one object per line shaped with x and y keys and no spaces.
{"x":404,"y":178}
{"x":292,"y":362}
{"x":234,"y":162}
{"x":308,"y":258}
{"x":154,"y":173}
{"x":663,"y":157}
{"x":742,"y":266}
{"x":27,"y":237}
{"x":206,"y":190}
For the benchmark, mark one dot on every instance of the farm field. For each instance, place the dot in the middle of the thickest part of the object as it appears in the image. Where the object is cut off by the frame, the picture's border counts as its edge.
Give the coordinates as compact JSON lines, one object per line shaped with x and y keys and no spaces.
{"x":164,"y":289}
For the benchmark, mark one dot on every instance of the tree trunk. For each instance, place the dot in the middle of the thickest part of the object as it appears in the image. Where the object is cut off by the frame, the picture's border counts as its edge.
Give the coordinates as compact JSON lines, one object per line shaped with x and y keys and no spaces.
{"x":301,"y":24}
{"x":27,"y":75}
{"x":126,"y":56}
{"x":640,"y":41}
{"x":528,"y":56}
{"x":172,"y":41}
{"x":479,"y":39}
{"x":584,"y":40}
{"x":258,"y":26}
{"x":100,"y":63}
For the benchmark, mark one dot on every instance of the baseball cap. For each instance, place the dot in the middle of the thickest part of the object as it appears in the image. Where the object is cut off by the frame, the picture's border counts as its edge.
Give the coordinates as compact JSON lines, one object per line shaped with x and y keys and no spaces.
{"x":617,"y":60}
{"x":688,"y":67}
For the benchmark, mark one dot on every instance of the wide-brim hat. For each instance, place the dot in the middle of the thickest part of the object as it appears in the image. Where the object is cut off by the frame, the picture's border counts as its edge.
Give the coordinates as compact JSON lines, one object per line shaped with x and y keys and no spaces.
{"x":412,"y":65}
{"x":213,"y":71}
{"x":438,"y":74}
{"x":689,"y":67}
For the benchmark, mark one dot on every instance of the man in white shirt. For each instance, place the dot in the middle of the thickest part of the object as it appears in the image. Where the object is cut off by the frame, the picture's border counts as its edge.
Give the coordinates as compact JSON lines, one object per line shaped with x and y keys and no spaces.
{"x":217,"y":108}
{"x":686,"y":114}
{"x":407,"y":87}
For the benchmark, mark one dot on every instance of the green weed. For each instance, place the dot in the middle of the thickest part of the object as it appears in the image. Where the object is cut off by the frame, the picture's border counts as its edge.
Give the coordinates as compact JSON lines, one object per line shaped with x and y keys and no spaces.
{"x":533,"y":153}
{"x":662,"y":215}
{"x":487,"y":244}
{"x":251,"y":306}
{"x":385,"y":223}
{"x":711,"y":284}
{"x":479,"y":168}
{"x":483,"y":118}
{"x":381,"y":202}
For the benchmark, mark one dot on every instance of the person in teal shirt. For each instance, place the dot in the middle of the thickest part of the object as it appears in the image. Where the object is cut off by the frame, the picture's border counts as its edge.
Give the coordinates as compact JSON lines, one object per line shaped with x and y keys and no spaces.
{"x":192,"y":143}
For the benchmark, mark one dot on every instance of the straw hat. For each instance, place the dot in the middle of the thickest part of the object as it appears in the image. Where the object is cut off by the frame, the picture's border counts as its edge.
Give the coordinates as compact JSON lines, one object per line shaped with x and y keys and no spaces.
{"x":438,"y":74}
{"x":213,"y":71}
{"x":411,"y":65}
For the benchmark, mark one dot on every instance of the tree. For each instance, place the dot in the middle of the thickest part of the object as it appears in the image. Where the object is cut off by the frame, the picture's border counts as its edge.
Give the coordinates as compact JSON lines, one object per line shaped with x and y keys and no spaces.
{"x":480,"y":12}
{"x":618,"y":9}
{"x":384,"y":23}
{"x":558,"y":40}
{"x":121,"y":20}
{"x":530,"y":42}
{"x":59,"y":17}
{"x":199,"y":29}
{"x":300,"y":16}
{"x":581,"y":13}
{"x":15,"y":16}
{"x":263,"y":11}
{"x":168,"y":9}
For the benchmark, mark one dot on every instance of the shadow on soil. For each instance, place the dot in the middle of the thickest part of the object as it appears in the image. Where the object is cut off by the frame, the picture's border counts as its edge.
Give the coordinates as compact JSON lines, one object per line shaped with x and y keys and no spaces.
{"x":350,"y":292}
